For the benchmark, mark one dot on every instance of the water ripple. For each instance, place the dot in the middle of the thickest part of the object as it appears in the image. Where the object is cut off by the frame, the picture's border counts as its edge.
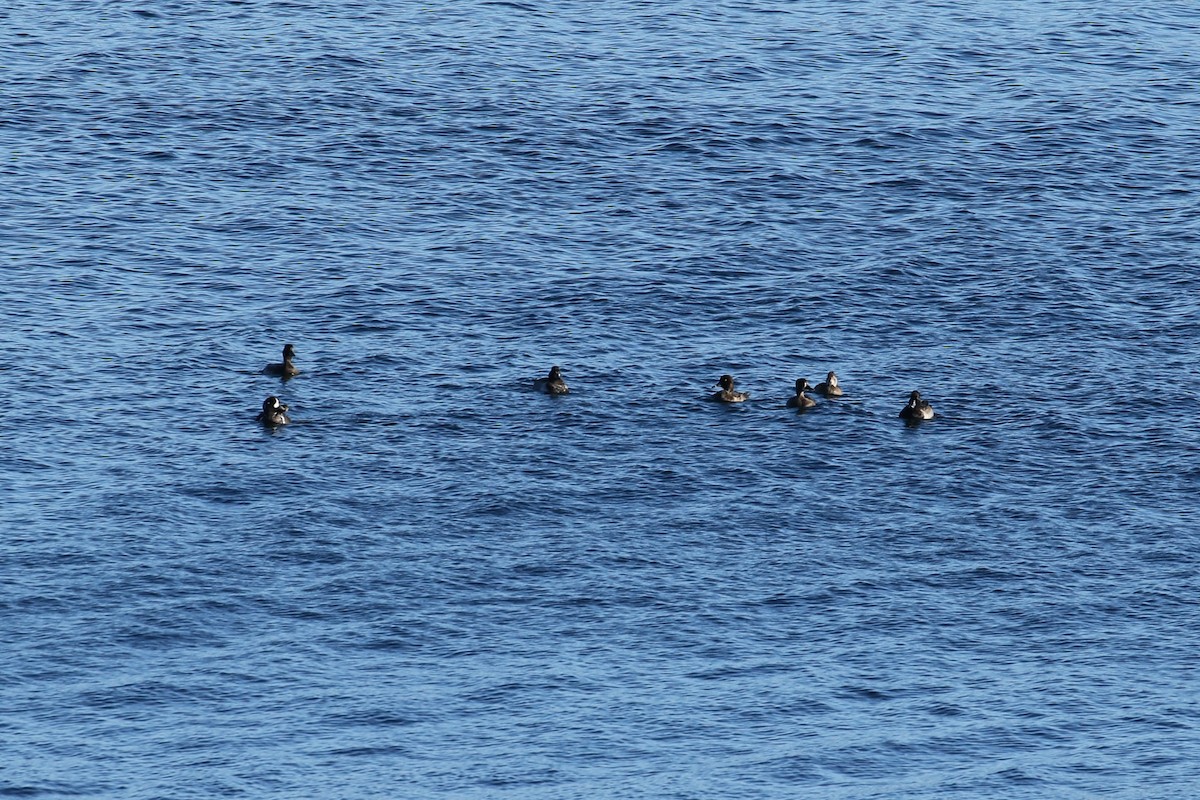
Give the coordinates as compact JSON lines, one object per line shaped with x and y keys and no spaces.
{"x":440,"y":579}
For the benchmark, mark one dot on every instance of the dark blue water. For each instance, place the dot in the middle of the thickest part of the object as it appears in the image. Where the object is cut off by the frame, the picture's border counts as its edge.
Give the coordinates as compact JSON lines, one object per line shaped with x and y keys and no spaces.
{"x":438,"y":583}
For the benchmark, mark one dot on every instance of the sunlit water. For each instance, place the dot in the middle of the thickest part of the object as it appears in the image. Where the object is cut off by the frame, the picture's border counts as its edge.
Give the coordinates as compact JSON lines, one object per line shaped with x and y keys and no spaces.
{"x":437,"y":582}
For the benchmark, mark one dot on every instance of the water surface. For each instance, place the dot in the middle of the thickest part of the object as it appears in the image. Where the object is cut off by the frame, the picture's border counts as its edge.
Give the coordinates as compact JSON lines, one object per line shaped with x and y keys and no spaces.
{"x":437,"y":582}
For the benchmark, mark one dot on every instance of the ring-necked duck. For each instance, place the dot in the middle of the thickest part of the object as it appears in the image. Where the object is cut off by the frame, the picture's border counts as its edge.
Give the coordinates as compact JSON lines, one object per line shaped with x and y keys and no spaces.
{"x":916,"y":409}
{"x":727,"y":394}
{"x":801,"y":400}
{"x":287,"y":369}
{"x":829,"y":387}
{"x":273,"y":412}
{"x":552,"y":383}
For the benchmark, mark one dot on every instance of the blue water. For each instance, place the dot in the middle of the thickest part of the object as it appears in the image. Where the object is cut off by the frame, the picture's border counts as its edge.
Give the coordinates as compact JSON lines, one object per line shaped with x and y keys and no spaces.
{"x":438,"y":583}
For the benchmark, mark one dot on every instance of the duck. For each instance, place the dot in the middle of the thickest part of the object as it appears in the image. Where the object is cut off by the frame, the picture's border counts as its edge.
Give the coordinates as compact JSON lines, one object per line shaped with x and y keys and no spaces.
{"x":273,"y":412}
{"x":286,"y":369}
{"x":553,"y":383}
{"x":727,"y":394}
{"x":916,"y":409}
{"x":801,"y":400}
{"x":829,"y":387}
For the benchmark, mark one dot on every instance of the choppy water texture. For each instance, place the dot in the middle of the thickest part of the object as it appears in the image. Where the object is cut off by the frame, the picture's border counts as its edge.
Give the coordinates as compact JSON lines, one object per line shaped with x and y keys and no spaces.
{"x":438,"y":583}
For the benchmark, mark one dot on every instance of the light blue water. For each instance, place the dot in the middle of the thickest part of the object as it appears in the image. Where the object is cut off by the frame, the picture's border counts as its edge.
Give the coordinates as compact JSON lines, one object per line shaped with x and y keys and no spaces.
{"x":436,"y":582}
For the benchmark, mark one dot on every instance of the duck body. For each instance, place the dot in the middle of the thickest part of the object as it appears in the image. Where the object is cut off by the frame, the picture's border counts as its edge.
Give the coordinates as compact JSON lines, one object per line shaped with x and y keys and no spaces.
{"x":727,"y":393}
{"x":274,"y":413}
{"x":553,"y":383}
{"x":801,"y":400}
{"x":916,"y":409}
{"x":829,"y":387}
{"x":286,"y":369}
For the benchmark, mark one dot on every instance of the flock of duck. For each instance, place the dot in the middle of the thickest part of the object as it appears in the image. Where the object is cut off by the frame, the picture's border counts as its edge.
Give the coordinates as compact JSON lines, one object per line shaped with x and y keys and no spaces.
{"x":915,"y":410}
{"x":274,"y":412}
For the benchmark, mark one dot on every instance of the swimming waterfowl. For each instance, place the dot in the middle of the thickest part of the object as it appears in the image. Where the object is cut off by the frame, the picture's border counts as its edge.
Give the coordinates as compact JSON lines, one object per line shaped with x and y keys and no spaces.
{"x":273,"y":412}
{"x":727,"y":394}
{"x":287,"y":369}
{"x":801,"y":400}
{"x":829,"y":387}
{"x":552,"y":383}
{"x":916,"y":409}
